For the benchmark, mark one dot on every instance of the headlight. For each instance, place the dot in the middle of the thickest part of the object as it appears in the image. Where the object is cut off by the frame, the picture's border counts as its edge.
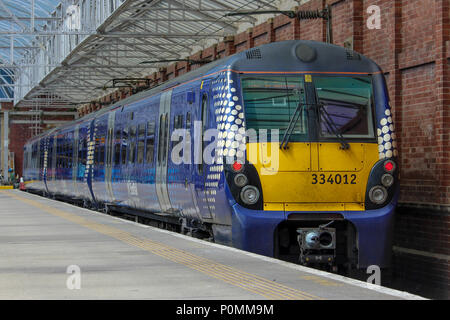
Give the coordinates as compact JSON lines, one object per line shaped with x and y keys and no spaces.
{"x":250,"y":195}
{"x":387,"y":180}
{"x":240,"y":180}
{"x":378,"y":194}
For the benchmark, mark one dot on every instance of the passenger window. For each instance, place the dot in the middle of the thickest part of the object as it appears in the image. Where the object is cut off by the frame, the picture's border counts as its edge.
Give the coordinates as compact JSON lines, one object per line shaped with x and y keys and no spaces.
{"x":178,"y":124}
{"x":58,"y":155}
{"x":61,"y":156}
{"x":69,"y":156}
{"x":165,"y":141}
{"x":132,"y":153}
{"x":84,"y":156}
{"x":160,"y":137}
{"x":150,"y":145}
{"x":124,"y":145}
{"x":117,"y":147}
{"x":141,"y":143}
{"x":188,"y":121}
{"x":80,"y":152}
{"x":101,"y":153}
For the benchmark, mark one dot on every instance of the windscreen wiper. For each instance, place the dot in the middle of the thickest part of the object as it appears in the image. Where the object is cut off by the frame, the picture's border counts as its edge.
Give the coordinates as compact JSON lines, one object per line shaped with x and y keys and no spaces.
{"x":331,"y":126}
{"x":298,"y":113}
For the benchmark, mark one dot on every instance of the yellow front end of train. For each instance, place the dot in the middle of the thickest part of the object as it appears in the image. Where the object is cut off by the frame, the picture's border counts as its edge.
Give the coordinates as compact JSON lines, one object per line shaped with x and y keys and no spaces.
{"x":311,"y":140}
{"x":313,"y":176}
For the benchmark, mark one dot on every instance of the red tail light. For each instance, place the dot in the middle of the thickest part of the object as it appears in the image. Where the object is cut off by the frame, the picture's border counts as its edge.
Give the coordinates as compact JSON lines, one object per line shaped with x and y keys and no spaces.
{"x":237,"y":166}
{"x":389,"y":166}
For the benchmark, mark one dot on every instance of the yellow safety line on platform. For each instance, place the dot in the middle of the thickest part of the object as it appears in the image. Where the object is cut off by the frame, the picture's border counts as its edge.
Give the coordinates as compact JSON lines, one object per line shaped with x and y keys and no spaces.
{"x":230,"y":275}
{"x":6,"y":187}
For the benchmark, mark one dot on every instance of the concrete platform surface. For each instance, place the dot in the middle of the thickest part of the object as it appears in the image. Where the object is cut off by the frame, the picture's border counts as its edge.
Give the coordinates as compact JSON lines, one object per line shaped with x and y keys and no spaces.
{"x":53,"y":250}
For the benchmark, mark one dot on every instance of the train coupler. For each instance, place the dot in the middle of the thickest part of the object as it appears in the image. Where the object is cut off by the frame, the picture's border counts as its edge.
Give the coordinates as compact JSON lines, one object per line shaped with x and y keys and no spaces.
{"x":317,"y":245}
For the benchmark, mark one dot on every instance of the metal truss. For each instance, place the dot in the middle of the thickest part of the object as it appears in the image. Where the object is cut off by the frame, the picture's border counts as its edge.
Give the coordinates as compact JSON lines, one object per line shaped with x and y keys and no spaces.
{"x":19,"y":19}
{"x":70,"y":52}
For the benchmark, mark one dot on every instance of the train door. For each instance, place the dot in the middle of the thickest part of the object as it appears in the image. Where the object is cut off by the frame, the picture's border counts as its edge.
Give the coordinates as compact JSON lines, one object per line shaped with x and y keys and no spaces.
{"x":109,"y":156}
{"x":58,"y":176}
{"x":117,"y":173}
{"x":89,"y":172}
{"x":82,"y":160}
{"x":191,"y":167}
{"x":200,"y":145}
{"x":131,"y":163}
{"x":139,"y":172}
{"x":75,"y":147}
{"x":51,"y":182}
{"x":150,"y":161}
{"x":46,"y":162}
{"x":40,"y":147}
{"x":163,"y":152}
{"x":179,"y":168}
{"x":64,"y":164}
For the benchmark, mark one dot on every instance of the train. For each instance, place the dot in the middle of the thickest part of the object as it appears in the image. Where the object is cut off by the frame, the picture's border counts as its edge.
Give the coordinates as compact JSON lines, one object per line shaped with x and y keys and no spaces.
{"x":286,"y":150}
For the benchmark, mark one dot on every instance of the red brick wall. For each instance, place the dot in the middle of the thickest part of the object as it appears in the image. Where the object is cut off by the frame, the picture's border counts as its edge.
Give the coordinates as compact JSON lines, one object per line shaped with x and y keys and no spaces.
{"x":420,"y":178}
{"x":342,"y":14}
{"x":263,"y":33}
{"x":18,"y":136}
{"x":19,"y":133}
{"x":418,"y":32}
{"x":413,"y":49}
{"x":315,"y":29}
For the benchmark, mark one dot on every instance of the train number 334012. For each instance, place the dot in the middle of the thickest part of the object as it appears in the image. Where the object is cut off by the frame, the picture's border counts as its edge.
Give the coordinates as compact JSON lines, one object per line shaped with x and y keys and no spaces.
{"x":334,"y":179}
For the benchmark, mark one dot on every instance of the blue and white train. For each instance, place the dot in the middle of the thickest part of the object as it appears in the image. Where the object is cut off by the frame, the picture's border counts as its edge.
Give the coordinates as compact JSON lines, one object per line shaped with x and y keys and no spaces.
{"x":316,"y":181}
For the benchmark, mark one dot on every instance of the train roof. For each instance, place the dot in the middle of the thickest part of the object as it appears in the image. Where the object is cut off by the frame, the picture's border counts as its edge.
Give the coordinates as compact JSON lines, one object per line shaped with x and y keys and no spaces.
{"x":291,"y":56}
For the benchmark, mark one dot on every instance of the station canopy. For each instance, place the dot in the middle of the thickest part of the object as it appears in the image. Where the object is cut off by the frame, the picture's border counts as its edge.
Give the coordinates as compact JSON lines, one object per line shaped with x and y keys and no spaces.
{"x":15,"y":17}
{"x":66,"y":53}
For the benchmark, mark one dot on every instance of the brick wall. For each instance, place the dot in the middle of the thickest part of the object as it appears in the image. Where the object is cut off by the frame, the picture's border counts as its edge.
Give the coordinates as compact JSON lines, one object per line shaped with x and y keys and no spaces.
{"x":18,"y":136}
{"x":420,"y":178}
{"x":413,"y":49}
{"x":19,"y":133}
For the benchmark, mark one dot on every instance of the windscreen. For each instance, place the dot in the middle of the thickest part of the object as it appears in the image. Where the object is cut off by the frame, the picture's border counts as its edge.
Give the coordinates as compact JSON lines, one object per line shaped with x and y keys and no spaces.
{"x":345,"y":104}
{"x":270,"y":103}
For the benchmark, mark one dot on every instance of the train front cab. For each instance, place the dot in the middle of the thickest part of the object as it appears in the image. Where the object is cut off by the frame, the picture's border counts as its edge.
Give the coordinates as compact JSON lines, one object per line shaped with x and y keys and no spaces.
{"x":327,"y":188}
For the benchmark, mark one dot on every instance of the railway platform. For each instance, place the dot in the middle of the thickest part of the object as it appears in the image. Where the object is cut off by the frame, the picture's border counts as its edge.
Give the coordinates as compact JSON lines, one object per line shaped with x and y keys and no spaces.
{"x":53,"y":250}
